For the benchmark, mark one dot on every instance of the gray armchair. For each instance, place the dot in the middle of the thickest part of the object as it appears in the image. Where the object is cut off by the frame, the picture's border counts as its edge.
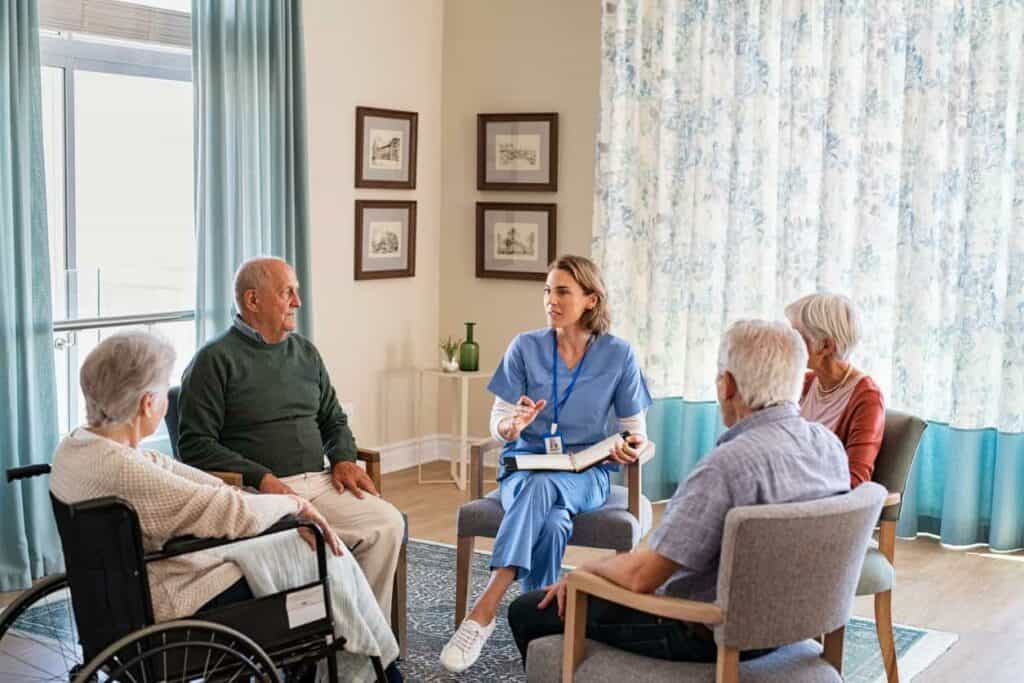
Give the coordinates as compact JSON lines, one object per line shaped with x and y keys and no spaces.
{"x":892,"y":467}
{"x":787,"y":574}
{"x":618,"y":525}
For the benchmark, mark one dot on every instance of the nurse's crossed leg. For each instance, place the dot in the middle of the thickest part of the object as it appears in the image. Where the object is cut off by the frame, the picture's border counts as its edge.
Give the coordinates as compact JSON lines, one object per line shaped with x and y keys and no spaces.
{"x":554,"y":390}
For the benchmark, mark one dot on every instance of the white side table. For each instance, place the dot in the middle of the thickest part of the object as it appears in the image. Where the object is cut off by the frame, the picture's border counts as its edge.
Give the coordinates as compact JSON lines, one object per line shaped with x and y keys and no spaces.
{"x":459,"y":466}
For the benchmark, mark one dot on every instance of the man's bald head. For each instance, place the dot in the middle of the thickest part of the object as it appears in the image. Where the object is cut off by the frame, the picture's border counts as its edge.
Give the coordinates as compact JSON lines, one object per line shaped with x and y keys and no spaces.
{"x":254,"y":273}
{"x":267,"y":295}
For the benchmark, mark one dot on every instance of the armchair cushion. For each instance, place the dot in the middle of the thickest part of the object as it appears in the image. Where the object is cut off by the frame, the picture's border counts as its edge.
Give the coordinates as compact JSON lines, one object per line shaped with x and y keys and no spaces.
{"x":610,"y":526}
{"x":877,"y":575}
{"x":797,"y":663}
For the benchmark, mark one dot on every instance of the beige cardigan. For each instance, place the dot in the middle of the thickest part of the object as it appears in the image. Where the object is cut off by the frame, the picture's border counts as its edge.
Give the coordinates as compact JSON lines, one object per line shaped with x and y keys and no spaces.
{"x":171,"y":499}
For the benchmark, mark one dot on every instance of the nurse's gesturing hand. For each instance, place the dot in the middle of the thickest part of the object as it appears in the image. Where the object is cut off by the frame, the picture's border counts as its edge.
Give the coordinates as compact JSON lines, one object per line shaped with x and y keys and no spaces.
{"x":526,"y":412}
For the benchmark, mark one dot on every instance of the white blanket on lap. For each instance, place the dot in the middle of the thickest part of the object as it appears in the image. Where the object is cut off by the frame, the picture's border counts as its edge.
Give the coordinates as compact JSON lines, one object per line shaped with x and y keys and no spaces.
{"x":275,"y":563}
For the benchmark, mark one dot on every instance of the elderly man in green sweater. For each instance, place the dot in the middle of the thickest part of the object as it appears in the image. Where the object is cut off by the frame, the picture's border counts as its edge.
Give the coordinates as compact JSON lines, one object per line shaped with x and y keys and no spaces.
{"x":258,"y":400}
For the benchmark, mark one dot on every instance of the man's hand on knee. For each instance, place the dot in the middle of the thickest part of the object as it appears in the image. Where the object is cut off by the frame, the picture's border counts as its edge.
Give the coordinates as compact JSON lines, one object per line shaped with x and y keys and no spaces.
{"x":350,"y":476}
{"x":271,"y":484}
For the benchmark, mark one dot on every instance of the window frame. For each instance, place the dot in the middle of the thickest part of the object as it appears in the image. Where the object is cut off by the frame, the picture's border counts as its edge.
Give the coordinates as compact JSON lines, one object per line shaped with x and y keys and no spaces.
{"x":71,"y":53}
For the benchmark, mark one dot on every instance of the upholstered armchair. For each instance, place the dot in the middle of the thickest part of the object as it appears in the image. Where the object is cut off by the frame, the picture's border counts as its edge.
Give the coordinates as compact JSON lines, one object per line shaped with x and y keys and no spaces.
{"x":787,"y":574}
{"x":618,"y":525}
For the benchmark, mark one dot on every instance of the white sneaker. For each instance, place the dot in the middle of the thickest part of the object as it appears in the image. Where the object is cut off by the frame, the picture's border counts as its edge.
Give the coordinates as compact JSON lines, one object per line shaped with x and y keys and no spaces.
{"x":463,"y":649}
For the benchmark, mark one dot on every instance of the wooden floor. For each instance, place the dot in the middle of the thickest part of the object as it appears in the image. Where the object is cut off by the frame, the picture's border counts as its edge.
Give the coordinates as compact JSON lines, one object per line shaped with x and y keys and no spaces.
{"x":978,"y":595}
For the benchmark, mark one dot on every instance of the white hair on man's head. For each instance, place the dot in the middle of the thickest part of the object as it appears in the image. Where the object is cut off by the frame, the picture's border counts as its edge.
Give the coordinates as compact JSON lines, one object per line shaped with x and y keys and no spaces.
{"x":767,"y":360}
{"x":251,"y":274}
{"x":827,"y":316}
{"x":119,"y":372}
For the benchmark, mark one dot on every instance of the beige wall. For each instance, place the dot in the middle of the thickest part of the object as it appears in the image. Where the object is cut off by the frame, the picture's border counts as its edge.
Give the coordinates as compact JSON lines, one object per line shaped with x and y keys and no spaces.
{"x":513,"y":56}
{"x":448,"y":60}
{"x":384,"y":53}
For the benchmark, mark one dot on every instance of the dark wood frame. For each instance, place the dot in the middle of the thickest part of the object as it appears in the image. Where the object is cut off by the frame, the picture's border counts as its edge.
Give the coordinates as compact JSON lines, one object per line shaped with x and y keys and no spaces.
{"x":413,"y":120}
{"x":410,"y":269}
{"x":483,"y":207}
{"x":481,"y":152}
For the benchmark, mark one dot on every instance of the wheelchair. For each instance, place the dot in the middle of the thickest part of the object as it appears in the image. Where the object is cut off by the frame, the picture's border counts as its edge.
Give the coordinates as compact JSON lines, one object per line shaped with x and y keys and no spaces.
{"x":95,"y":623}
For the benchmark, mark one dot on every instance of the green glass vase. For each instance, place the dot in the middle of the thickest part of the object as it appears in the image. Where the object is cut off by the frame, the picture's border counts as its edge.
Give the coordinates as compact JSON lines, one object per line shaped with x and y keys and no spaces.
{"x":469,"y":352}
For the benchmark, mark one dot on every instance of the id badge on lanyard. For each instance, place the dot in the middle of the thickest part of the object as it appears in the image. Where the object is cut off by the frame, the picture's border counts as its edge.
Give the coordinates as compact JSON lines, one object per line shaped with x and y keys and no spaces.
{"x":553,"y":442}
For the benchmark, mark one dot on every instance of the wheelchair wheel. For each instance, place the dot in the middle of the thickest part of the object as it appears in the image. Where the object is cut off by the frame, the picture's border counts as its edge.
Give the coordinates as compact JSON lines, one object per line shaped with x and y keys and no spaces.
{"x":38,"y":635}
{"x":188,"y":650}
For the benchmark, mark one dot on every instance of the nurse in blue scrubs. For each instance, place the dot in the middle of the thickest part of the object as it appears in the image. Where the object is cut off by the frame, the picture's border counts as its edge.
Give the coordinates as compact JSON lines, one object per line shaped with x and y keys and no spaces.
{"x":558,"y":389}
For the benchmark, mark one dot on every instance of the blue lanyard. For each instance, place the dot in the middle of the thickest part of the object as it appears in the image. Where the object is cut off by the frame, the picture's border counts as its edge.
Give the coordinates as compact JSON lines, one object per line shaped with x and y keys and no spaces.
{"x":554,"y":374}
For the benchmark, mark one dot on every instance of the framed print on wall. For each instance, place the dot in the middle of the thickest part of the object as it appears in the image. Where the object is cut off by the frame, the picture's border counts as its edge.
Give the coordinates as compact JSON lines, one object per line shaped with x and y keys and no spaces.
{"x":517,"y":152}
{"x":514,"y":241}
{"x":386,"y":148}
{"x":385,"y":239}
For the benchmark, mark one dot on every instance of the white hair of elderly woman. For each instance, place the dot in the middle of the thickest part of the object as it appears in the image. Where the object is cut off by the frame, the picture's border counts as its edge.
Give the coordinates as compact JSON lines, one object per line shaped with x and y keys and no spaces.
{"x":827,"y":316}
{"x":767,"y":359}
{"x":120,"y":371}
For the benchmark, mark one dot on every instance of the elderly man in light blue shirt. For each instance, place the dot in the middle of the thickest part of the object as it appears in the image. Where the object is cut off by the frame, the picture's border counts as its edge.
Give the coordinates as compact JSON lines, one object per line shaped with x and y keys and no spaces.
{"x":769,"y":454}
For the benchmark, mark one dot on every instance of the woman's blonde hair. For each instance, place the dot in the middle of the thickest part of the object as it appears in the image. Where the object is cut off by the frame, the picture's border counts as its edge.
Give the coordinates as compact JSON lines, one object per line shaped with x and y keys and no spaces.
{"x":588,"y":276}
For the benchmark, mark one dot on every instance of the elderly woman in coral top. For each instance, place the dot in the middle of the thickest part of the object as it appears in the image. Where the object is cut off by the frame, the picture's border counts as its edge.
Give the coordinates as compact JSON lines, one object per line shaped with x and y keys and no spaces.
{"x":835,"y":393}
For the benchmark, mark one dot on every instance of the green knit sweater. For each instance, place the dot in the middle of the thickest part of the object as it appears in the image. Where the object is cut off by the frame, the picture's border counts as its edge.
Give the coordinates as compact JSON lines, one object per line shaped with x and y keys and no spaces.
{"x":251,"y":407}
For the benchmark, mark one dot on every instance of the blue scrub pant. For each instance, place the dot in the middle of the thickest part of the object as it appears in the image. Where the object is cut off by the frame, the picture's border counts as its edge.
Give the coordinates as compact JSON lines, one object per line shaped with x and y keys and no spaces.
{"x":539,"y":507}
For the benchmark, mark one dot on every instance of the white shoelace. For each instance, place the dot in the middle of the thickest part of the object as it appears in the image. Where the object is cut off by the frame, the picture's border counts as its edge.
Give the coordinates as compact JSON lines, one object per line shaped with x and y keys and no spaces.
{"x":468,"y":631}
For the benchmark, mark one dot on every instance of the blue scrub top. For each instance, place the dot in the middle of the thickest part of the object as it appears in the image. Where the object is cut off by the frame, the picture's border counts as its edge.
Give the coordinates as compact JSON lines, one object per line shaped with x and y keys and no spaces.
{"x":609,"y":386}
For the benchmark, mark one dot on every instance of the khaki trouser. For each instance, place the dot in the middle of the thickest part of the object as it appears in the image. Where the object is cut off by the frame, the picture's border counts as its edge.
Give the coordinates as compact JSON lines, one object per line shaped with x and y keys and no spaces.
{"x":371,"y":528}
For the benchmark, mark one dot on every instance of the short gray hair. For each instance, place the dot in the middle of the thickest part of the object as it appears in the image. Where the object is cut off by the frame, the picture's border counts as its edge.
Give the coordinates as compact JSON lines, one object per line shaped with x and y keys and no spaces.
{"x":119,"y":372}
{"x":767,"y":360}
{"x":252,"y":274}
{"x":827,"y":316}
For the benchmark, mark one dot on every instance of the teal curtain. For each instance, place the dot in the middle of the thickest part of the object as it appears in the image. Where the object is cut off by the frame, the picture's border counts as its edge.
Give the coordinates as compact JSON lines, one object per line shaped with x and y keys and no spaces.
{"x":250,"y":148}
{"x":965,"y":486}
{"x":29,"y":546}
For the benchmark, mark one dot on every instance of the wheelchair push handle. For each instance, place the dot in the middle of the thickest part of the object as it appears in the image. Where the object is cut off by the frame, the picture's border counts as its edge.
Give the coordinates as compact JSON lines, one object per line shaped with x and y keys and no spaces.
{"x":26,"y":472}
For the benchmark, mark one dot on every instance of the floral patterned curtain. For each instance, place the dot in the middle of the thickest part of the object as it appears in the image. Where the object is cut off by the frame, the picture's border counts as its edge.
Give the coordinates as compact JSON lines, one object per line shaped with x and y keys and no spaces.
{"x":752,"y":151}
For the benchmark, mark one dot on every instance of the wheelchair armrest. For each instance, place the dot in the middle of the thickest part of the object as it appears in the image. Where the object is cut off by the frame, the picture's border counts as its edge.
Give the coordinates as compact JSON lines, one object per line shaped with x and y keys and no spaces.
{"x":183,"y":545}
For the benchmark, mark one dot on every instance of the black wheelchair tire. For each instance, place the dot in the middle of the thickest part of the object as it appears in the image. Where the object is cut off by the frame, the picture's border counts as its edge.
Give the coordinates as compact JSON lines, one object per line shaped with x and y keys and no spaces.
{"x":160,"y":639}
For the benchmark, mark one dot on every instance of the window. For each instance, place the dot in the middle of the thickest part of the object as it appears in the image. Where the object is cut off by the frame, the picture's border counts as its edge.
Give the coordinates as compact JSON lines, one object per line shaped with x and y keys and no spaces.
{"x":117,"y":120}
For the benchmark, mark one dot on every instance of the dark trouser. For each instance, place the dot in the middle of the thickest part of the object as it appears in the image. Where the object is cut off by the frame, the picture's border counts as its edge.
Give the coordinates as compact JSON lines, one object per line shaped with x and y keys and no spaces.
{"x":239,"y":591}
{"x":622,"y":627}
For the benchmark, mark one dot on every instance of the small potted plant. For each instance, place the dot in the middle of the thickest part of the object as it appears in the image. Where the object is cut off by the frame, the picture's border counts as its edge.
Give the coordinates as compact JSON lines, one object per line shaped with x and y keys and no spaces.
{"x":450,"y":359}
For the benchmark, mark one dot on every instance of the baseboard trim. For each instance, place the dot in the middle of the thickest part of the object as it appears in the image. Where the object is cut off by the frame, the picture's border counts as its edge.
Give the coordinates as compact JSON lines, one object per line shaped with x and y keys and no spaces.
{"x":401,"y":455}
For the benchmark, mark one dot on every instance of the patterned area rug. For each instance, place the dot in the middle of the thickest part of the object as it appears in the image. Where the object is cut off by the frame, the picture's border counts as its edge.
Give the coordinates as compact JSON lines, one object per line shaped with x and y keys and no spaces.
{"x":432,"y":605}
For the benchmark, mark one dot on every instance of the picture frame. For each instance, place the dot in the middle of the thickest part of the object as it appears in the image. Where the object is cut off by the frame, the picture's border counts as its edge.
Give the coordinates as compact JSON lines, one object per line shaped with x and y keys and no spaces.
{"x":385,"y":241}
{"x":515,"y":241}
{"x":517,"y":152}
{"x":386,"y":148}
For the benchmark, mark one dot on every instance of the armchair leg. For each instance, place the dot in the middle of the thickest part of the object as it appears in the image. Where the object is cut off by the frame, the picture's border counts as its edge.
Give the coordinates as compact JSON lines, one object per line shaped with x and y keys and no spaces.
{"x":883,"y":624}
{"x":399,"y":618}
{"x":463,"y":572}
{"x":727,"y":669}
{"x":574,"y":644}
{"x":833,"y":643}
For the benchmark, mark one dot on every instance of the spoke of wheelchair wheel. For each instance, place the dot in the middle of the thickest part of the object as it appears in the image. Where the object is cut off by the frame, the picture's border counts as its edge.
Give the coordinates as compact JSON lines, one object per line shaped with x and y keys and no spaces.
{"x":209,"y":653}
{"x":127,"y":671}
{"x":184,"y":666}
{"x":142,"y":662}
{"x":223,"y":655}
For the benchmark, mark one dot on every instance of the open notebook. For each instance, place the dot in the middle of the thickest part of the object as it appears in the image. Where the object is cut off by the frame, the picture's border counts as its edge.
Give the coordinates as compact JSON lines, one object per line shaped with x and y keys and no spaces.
{"x":572,"y":462}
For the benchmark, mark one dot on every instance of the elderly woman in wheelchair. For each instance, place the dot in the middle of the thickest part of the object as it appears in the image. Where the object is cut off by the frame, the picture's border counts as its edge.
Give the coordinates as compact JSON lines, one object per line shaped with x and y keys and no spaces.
{"x":108,"y":491}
